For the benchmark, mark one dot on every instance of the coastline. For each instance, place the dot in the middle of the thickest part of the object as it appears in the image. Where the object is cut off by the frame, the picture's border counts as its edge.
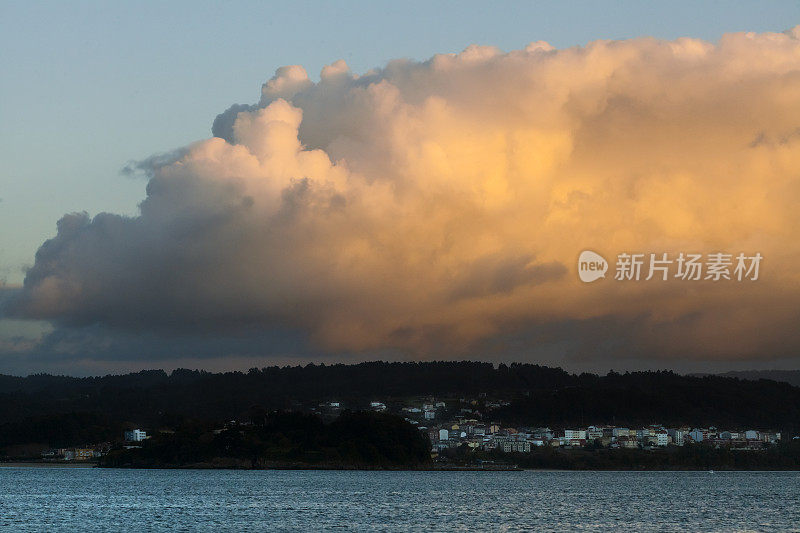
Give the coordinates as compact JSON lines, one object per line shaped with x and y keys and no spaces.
{"x":365,"y":468}
{"x":444,"y":469}
{"x":278,"y":465}
{"x":43,"y":464}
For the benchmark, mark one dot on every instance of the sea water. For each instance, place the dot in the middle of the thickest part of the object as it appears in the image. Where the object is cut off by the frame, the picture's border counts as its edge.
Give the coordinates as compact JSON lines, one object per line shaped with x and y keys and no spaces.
{"x":75,"y":499}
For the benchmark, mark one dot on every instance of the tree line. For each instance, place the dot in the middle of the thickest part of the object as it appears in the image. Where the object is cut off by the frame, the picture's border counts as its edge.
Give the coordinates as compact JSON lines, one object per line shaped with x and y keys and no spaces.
{"x":68,"y":411}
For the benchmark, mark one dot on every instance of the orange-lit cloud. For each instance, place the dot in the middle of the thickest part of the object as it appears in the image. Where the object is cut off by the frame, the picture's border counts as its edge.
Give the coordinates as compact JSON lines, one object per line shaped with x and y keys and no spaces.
{"x":439,"y":206}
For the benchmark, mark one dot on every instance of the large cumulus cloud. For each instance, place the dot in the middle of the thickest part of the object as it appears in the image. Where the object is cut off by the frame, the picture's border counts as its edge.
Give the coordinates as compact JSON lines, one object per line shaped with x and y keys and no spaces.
{"x":440,"y":206}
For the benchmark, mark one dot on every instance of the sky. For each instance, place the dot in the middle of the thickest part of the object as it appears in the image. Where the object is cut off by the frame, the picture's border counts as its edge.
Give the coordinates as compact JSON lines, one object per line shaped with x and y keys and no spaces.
{"x":393,"y":205}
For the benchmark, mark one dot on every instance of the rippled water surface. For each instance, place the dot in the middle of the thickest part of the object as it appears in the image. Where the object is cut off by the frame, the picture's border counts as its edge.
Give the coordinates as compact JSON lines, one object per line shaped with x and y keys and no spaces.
{"x":69,"y":499}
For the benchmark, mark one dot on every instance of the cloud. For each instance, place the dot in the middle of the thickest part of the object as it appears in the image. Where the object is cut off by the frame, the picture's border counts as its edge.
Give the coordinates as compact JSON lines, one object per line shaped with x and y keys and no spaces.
{"x":439,"y":207}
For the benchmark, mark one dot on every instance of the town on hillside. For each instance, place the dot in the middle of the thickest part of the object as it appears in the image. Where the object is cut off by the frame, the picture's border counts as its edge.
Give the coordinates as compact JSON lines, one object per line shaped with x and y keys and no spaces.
{"x":462,"y":424}
{"x":469,"y":425}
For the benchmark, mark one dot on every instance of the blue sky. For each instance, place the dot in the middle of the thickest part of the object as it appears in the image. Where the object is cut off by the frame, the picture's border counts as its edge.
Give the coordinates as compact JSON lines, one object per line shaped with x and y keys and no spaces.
{"x":89,"y":86}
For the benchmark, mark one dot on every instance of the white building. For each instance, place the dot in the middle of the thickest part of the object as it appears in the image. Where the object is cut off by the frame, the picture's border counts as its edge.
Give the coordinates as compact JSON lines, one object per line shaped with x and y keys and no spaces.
{"x":751,"y":434}
{"x":377,"y":406}
{"x":594,"y":432}
{"x":542,"y":433}
{"x":677,"y":436}
{"x":574,"y":434}
{"x":136,"y":435}
{"x":444,"y":434}
{"x":430,"y":414}
{"x":520,"y":446}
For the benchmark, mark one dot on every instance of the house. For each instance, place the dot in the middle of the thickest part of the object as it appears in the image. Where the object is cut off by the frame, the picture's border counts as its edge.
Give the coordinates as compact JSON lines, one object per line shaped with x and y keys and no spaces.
{"x":770,"y":437}
{"x":83,"y":454}
{"x":514,"y":445}
{"x":594,"y":432}
{"x":574,"y":434}
{"x":542,"y":433}
{"x":135,"y":435}
{"x":573,"y":437}
{"x":698,"y":435}
{"x":678,"y":436}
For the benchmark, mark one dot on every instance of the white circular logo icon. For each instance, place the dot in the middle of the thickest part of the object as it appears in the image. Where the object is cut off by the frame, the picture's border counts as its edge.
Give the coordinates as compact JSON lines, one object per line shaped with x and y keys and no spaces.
{"x":591,"y":266}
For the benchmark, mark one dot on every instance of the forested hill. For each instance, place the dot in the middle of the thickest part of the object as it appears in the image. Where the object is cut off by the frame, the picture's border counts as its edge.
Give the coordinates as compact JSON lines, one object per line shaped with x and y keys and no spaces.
{"x":90,"y":408}
{"x":791,"y":377}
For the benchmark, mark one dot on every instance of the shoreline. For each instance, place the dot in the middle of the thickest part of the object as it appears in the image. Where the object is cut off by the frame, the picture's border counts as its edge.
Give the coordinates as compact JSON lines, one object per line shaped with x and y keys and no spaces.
{"x":42,"y":464}
{"x":431,"y":468}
